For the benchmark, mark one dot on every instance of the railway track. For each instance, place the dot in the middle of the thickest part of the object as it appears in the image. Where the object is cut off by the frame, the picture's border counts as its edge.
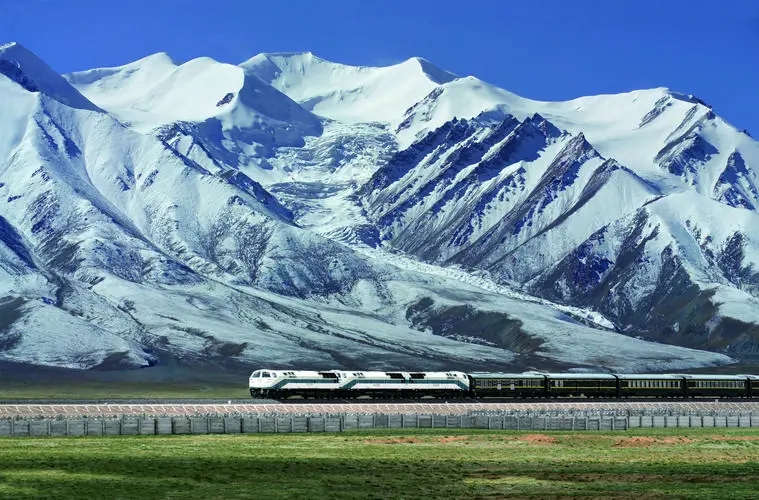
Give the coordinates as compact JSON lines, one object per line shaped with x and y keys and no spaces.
{"x":174,"y":408}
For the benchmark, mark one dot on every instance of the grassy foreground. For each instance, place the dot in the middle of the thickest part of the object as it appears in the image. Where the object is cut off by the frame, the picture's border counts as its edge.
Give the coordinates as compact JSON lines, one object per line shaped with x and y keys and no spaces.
{"x":667,"y":463}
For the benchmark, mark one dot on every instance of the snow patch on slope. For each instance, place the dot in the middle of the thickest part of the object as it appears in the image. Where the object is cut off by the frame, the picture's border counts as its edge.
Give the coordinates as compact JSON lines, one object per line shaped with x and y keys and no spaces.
{"x":479,"y":279}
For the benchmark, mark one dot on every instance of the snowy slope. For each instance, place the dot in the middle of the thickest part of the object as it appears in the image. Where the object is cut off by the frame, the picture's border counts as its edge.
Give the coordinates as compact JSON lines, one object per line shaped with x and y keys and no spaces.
{"x":523,"y":190}
{"x":348,"y":93}
{"x":493,"y":192}
{"x":291,"y":211}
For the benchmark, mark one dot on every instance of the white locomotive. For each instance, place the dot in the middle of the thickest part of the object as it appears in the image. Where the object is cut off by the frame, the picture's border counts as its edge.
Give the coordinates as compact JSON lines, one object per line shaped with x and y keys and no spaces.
{"x":350,"y":384}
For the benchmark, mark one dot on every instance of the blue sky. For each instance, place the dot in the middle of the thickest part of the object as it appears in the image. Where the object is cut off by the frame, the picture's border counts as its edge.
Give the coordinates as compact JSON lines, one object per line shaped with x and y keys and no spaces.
{"x":541,"y":49}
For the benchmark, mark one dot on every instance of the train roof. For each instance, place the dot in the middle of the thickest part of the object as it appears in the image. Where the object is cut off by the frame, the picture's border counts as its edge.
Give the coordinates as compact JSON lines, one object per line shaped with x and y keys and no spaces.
{"x":525,"y":375}
{"x":649,"y":376}
{"x":581,"y":376}
{"x":701,"y":376}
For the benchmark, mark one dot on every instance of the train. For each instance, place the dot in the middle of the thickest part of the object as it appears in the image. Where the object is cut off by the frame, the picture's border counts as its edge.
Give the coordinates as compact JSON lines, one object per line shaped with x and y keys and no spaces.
{"x":452,"y":385}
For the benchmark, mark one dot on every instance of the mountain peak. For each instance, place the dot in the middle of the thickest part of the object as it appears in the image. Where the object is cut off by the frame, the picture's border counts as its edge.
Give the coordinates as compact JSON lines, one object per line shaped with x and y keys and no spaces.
{"x":23,"y":67}
{"x":348,"y":93}
{"x":434,"y":73}
{"x":157,"y":58}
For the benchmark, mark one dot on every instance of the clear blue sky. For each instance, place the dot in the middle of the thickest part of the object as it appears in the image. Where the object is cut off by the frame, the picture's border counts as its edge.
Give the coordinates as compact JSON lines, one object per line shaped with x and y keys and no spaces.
{"x":542,"y":49}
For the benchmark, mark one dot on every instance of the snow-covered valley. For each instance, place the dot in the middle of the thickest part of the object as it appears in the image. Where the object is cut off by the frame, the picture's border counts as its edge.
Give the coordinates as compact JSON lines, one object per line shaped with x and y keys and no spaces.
{"x":295,"y":212}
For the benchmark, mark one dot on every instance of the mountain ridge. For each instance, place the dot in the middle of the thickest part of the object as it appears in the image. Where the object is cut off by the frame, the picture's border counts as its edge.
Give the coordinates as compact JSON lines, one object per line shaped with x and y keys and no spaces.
{"x":329,"y":216}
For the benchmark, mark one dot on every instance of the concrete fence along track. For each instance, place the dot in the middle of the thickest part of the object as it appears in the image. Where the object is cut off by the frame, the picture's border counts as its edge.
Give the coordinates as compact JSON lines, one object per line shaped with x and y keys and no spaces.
{"x":130,"y":425}
{"x":436,"y":408}
{"x":298,"y":423}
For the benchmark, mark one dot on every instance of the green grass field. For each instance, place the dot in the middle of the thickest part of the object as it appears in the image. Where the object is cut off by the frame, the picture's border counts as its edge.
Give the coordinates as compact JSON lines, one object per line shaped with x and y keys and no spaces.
{"x":667,"y":463}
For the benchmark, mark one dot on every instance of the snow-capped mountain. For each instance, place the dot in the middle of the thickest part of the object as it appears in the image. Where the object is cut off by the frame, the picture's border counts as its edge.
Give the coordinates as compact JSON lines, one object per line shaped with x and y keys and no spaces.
{"x":292,"y":211}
